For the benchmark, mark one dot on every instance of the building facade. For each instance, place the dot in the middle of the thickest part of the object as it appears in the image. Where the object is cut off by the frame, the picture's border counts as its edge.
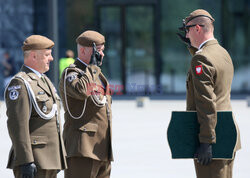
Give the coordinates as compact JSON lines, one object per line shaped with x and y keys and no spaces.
{"x":143,"y":55}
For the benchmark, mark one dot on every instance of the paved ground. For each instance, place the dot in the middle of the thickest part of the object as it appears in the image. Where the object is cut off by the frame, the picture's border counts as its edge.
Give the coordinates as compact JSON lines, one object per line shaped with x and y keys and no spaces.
{"x":139,"y":141}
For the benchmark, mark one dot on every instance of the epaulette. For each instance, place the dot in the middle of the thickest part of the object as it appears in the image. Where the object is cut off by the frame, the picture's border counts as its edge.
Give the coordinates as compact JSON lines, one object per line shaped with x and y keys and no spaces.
{"x":72,"y":66}
{"x":200,"y":50}
{"x":19,"y":74}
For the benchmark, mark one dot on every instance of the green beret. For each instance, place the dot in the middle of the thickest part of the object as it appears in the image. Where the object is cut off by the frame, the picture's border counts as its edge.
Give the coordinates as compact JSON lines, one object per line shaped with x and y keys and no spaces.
{"x":36,"y":42}
{"x":89,"y":37}
{"x":198,"y":13}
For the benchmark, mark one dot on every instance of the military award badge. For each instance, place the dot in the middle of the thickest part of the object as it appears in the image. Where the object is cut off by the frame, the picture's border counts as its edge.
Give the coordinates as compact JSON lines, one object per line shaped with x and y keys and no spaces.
{"x":198,"y":69}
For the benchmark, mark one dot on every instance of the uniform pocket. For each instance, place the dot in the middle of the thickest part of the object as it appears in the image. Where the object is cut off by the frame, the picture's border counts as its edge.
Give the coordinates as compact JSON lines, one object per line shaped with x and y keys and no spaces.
{"x":89,"y":127}
{"x":39,"y":140}
{"x":44,"y":103}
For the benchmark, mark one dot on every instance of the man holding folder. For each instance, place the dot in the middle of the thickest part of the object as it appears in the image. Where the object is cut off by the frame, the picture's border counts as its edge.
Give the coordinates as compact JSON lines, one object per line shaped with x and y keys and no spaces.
{"x":208,"y":90}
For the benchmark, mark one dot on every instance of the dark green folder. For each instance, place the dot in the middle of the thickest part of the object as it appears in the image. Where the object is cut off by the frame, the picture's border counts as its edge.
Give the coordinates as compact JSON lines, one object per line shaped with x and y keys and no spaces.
{"x":183,"y":133}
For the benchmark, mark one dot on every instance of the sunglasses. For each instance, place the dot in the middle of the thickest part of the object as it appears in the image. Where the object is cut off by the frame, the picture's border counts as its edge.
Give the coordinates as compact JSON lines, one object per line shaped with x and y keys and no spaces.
{"x":187,"y":28}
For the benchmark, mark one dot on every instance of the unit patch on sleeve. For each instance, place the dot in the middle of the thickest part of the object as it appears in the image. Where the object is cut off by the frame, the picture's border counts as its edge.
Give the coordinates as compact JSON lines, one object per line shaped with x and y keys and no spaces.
{"x":198,"y":69}
{"x":14,"y":87}
{"x":13,"y":94}
{"x":71,"y":77}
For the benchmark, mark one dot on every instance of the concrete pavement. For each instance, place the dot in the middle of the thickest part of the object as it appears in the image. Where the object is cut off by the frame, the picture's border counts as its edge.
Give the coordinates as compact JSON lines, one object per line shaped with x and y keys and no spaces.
{"x":140,"y":145}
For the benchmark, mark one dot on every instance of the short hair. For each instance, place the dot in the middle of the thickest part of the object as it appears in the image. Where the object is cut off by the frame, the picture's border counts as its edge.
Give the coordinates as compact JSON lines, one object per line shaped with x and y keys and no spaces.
{"x":80,"y":46}
{"x":26,"y":53}
{"x":207,"y":22}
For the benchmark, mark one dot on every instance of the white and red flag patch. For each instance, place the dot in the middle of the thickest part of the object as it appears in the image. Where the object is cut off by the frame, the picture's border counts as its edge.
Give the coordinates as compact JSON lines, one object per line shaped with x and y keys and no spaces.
{"x":198,"y":69}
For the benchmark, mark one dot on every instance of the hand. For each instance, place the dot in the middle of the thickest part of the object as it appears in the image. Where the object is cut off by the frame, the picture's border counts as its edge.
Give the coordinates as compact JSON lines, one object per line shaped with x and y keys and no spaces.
{"x":204,"y":153}
{"x":184,"y":39}
{"x":28,"y":170}
{"x":96,"y":57}
{"x":93,"y":60}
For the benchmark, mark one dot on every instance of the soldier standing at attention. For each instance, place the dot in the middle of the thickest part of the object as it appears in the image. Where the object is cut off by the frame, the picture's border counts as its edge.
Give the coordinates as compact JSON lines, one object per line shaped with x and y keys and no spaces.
{"x":87,"y":102}
{"x":208,"y":90}
{"x":33,"y":110}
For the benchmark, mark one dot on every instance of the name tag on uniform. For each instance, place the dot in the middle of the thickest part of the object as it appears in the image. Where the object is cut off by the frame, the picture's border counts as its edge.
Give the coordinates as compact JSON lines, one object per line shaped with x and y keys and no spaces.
{"x":41,"y":93}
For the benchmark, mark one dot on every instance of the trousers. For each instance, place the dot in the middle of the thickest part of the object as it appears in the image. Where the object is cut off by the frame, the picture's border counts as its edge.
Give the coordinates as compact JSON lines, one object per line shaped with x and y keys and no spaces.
{"x":83,"y":167}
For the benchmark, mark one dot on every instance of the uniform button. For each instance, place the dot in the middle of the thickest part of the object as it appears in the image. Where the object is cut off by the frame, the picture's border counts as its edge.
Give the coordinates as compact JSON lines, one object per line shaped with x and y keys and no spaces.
{"x":34,"y":141}
{"x":84,"y":129}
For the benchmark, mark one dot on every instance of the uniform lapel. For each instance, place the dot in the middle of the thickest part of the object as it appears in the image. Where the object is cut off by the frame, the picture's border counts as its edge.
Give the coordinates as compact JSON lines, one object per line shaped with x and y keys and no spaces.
{"x":35,"y":78}
{"x":51,"y":87}
{"x":43,"y":86}
{"x":106,"y":84}
{"x":103,"y":80}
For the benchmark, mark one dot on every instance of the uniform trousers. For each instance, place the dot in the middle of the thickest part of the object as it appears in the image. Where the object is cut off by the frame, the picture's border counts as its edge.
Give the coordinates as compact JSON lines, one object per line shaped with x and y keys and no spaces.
{"x":215,"y":169}
{"x":83,"y":167}
{"x":41,"y":173}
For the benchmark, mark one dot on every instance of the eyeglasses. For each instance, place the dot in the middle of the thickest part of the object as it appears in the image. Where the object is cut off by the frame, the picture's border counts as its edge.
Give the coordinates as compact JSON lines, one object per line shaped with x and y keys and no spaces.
{"x":189,"y":26}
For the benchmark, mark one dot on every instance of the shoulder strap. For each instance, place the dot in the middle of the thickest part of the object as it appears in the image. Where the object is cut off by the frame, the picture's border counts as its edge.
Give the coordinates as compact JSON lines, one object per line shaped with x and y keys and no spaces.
{"x":66,"y":101}
{"x":33,"y":101}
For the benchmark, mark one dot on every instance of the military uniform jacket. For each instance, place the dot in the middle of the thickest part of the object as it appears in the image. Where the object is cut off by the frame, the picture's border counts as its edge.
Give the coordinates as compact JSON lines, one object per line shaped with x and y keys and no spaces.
{"x":34,"y":139}
{"x":208,"y":88}
{"x":90,"y":135}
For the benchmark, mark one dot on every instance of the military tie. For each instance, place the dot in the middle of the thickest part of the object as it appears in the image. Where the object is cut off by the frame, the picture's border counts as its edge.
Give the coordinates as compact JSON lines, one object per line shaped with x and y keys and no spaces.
{"x":43,"y":79}
{"x":45,"y":82}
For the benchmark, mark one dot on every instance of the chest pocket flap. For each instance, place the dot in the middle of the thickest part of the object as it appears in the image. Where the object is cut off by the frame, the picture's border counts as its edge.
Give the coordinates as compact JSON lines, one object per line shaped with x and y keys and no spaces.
{"x":42,"y":98}
{"x":89,"y":127}
{"x":39,"y":140}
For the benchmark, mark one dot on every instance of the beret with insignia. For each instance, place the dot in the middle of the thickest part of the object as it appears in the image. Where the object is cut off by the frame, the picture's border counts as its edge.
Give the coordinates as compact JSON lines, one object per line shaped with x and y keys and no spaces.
{"x":37,"y":42}
{"x":198,"y":13}
{"x":89,"y":37}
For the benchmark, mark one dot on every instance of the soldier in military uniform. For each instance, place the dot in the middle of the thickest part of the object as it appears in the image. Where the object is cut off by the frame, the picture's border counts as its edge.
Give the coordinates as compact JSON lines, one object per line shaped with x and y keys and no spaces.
{"x":33,"y":110}
{"x":208,"y":90}
{"x":87,"y":102}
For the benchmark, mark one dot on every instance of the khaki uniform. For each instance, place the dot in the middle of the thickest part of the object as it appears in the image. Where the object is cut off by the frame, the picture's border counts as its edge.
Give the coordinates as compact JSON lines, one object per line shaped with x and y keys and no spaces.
{"x":208,"y":90}
{"x":34,"y":139}
{"x":90,"y":135}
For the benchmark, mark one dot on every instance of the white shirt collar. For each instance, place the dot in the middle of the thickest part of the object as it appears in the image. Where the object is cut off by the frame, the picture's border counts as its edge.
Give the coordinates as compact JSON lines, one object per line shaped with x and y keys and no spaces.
{"x":82,"y":62}
{"x":35,"y":71}
{"x":204,"y":43}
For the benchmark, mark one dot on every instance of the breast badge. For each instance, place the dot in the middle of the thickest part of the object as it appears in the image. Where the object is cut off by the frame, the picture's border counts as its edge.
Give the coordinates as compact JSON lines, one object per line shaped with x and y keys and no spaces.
{"x":44,"y":109}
